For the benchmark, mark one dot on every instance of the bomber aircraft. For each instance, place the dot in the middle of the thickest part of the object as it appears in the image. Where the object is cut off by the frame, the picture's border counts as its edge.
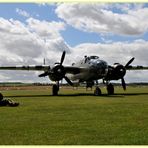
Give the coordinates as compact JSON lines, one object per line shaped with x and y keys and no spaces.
{"x":89,"y":70}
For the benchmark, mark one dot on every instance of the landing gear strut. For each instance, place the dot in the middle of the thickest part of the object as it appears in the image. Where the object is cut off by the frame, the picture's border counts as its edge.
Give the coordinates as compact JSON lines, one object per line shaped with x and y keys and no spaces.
{"x":110,"y":89}
{"x":55,"y":89}
{"x":97,"y":91}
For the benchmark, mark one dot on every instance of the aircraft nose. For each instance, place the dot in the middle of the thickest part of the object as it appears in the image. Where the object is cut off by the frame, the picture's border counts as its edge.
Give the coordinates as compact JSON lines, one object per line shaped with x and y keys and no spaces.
{"x":101,"y":68}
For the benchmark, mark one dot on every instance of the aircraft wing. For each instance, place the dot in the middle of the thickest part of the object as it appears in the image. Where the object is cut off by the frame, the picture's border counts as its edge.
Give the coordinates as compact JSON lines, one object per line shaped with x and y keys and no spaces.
{"x":137,"y":68}
{"x":68,"y":69}
{"x":31,"y":67}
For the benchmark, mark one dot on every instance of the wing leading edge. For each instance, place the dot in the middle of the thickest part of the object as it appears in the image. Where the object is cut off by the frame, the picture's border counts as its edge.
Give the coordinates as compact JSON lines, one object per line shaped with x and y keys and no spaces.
{"x":35,"y":68}
{"x":68,"y":69}
{"x":136,"y":68}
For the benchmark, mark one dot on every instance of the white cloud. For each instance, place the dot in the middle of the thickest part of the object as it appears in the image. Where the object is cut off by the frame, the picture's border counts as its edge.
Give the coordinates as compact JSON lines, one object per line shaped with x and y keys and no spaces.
{"x":100,"y":19}
{"x":12,"y":27}
{"x":46,"y":29}
{"x":116,"y":51}
{"x":22,"y":12}
{"x":28,"y":43}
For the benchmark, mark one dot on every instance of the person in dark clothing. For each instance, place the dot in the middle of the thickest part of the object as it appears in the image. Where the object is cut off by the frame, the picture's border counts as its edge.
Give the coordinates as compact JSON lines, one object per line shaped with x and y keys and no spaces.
{"x":7,"y":102}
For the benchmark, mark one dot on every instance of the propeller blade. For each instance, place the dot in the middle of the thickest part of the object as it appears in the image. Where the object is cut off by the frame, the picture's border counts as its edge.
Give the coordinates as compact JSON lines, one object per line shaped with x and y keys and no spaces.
{"x":43,"y":74}
{"x":129,"y":62}
{"x":68,"y":81}
{"x":123,"y":83}
{"x":63,"y":57}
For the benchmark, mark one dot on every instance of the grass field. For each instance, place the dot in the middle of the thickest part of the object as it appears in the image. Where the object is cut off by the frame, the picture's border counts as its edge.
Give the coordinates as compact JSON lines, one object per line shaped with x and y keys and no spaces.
{"x":76,"y":117}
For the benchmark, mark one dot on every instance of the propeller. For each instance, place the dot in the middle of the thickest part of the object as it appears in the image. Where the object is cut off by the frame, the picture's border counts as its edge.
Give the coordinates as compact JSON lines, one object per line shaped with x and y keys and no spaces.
{"x":57,"y":73}
{"x":68,"y":81}
{"x":122,"y":79}
{"x":43,"y":74}
{"x":129,"y":62}
{"x":118,"y":71}
{"x":61,"y":62}
{"x":46,"y":73}
{"x":62,"y":57}
{"x":123,"y":83}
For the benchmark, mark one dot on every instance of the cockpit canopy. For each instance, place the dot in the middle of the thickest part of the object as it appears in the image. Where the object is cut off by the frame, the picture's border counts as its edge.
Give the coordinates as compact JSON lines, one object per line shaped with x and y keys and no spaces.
{"x":87,"y":59}
{"x":91,"y":57}
{"x":94,"y":57}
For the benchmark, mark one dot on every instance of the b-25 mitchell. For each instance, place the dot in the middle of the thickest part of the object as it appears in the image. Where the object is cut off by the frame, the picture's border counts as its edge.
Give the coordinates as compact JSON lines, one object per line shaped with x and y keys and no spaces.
{"x":89,"y":70}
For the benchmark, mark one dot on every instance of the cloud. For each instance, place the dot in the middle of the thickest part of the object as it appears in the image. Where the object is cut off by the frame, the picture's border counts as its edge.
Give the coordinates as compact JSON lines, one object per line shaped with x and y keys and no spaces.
{"x":12,"y":26}
{"x":28,"y":42}
{"x":16,"y":38}
{"x":22,"y":12}
{"x":101,"y":19}
{"x":46,"y":29}
{"x":115,"y":51}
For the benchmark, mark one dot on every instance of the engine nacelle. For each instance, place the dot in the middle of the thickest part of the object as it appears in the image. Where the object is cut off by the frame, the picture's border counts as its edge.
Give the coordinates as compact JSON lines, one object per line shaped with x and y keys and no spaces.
{"x":57,"y":73}
{"x":115,"y":72}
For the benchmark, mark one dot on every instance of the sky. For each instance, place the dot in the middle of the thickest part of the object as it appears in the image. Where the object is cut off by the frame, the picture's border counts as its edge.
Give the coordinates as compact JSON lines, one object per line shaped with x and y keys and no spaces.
{"x":30,"y":32}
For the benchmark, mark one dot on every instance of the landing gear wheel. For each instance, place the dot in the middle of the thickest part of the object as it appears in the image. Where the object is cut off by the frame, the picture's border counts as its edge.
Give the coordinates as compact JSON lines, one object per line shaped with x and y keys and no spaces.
{"x":55,"y":90}
{"x":97,"y":91}
{"x":110,"y":89}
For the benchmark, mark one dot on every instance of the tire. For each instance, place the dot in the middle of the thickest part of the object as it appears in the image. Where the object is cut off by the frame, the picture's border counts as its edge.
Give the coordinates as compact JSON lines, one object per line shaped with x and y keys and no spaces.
{"x":110,"y":89}
{"x":97,"y":91}
{"x":55,"y":90}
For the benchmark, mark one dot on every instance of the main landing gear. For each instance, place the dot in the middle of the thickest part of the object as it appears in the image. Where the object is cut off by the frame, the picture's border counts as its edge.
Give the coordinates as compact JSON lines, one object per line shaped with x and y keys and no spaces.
{"x":55,"y":89}
{"x":109,"y":87}
{"x":97,"y":91}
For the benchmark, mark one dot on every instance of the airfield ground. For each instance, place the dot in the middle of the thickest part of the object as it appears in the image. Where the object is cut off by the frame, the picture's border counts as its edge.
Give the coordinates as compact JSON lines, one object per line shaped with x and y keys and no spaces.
{"x":76,"y":117}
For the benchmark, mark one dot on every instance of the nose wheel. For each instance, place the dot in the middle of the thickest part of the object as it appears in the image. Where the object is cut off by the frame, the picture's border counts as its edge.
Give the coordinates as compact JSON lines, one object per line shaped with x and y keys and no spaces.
{"x":97,"y":91}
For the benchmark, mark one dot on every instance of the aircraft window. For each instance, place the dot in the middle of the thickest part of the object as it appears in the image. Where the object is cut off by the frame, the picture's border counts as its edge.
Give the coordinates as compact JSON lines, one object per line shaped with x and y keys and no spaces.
{"x":94,"y":57}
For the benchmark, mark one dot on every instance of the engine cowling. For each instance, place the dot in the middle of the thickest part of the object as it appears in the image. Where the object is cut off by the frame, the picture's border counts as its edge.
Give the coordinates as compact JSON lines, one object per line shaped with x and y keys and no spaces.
{"x":119,"y":71}
{"x":116,"y":72}
{"x":57,"y":73}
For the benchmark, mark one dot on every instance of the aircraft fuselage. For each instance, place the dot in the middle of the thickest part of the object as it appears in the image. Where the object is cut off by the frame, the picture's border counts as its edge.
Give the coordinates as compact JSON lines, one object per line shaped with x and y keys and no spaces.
{"x":92,"y":69}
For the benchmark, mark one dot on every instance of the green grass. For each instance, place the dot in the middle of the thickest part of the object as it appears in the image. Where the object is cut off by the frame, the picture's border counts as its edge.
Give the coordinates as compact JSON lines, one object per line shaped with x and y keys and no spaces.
{"x":75,"y":119}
